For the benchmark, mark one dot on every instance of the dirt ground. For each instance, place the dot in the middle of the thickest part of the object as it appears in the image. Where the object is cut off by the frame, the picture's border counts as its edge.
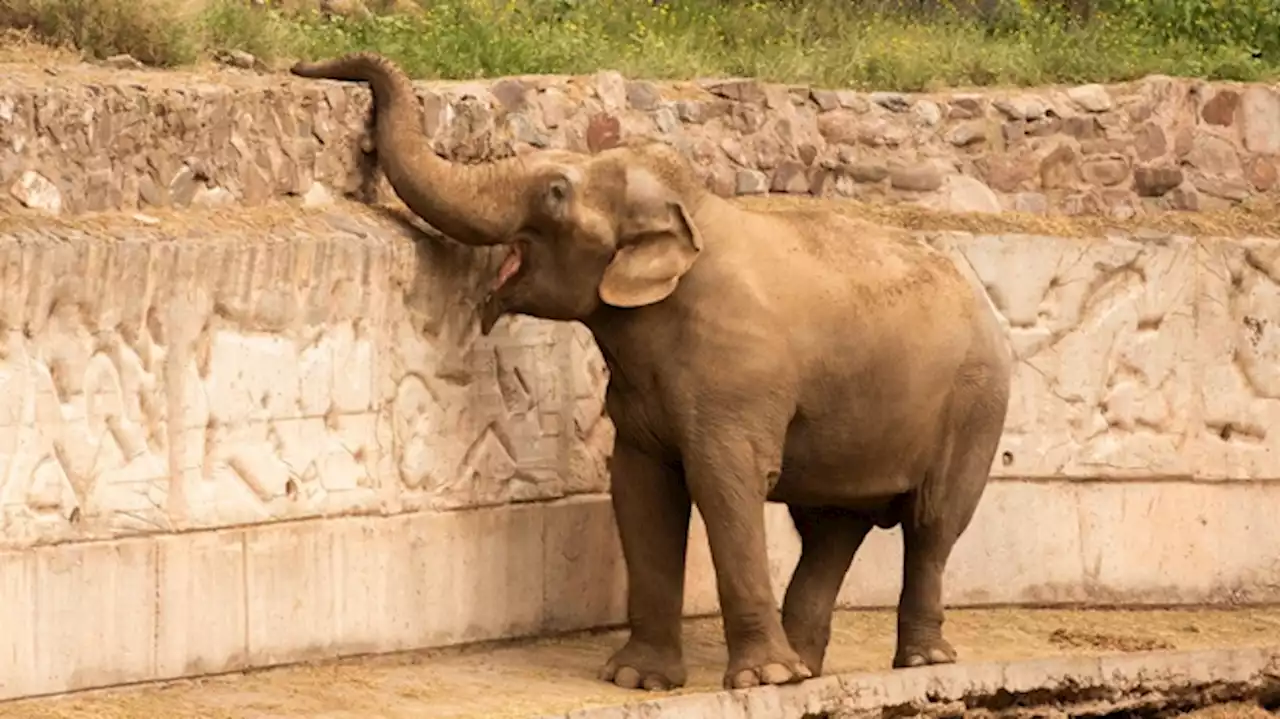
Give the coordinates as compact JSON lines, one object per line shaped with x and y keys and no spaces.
{"x":1230,"y":711}
{"x":1260,"y":217}
{"x":558,"y":675}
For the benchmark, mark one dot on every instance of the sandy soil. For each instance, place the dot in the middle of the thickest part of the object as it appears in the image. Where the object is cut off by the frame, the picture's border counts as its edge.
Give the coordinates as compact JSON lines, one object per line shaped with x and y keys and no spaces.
{"x":558,"y":675}
{"x":1230,"y":711}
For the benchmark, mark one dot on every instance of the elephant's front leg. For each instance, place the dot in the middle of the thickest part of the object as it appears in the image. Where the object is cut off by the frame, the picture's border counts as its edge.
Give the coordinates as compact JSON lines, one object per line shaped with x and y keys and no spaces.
{"x":729,"y":477}
{"x":651,"y":506}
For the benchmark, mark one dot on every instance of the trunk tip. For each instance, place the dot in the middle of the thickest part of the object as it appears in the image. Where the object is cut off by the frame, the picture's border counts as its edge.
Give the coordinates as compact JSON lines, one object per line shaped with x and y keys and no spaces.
{"x":303,"y":68}
{"x":362,"y":65}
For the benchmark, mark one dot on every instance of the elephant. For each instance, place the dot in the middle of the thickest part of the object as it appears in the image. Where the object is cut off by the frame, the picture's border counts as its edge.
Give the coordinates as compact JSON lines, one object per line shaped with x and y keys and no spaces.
{"x":850,"y":371}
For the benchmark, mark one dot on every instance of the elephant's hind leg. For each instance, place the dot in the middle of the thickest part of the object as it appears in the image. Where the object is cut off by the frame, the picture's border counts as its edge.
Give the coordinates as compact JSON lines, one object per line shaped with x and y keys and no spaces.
{"x":934,"y":517}
{"x":829,"y":539}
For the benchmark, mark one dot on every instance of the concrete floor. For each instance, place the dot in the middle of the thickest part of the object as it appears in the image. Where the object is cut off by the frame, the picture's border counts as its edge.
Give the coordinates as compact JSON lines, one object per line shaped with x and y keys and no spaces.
{"x":558,"y":675}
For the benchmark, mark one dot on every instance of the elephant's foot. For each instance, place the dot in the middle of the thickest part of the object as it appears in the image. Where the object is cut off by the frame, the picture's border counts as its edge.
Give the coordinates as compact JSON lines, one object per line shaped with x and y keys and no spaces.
{"x":922,"y":649}
{"x":810,"y":642}
{"x":765,"y":664}
{"x":641,"y":666}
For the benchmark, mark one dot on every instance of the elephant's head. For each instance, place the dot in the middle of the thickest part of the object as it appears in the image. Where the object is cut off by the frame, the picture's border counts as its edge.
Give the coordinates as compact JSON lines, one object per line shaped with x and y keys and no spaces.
{"x":614,"y":228}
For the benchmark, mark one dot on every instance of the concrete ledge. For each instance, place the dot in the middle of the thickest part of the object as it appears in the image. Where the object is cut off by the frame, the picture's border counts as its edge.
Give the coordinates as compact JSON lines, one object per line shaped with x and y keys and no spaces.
{"x":1067,"y":685}
{"x":95,"y":614}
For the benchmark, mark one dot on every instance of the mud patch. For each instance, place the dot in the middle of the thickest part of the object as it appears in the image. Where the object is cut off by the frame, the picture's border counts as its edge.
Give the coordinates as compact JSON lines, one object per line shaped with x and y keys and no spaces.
{"x":1076,"y":638}
{"x":1232,"y":710}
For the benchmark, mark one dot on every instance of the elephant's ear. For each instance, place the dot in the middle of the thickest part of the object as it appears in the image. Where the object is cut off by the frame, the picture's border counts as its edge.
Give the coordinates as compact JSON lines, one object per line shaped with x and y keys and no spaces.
{"x":657,"y":245}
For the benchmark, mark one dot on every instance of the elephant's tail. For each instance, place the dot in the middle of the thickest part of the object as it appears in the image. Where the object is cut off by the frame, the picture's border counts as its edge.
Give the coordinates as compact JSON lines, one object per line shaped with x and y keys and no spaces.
{"x":385,"y":78}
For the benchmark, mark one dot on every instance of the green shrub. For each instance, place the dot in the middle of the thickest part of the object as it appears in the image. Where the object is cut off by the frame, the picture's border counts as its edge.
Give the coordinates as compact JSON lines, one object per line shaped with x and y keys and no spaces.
{"x":881,"y":44}
{"x":1253,"y":25}
{"x":156,"y":32}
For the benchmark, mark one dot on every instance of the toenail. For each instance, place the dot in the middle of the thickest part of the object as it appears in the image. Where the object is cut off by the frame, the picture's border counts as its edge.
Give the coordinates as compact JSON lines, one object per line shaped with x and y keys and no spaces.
{"x":775,"y":674}
{"x":655,"y":684}
{"x":627,"y":678}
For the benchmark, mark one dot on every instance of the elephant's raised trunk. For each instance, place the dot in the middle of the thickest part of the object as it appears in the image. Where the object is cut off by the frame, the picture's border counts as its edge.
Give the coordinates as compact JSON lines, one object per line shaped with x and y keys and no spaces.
{"x":477,"y":205}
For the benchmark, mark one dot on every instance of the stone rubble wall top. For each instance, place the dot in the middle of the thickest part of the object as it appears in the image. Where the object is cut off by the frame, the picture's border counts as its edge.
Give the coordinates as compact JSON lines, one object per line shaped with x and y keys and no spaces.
{"x":84,"y":138}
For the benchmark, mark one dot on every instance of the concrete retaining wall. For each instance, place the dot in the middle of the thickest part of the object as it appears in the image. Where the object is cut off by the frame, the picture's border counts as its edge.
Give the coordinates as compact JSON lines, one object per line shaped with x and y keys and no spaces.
{"x":189,"y":403}
{"x":247,"y":435}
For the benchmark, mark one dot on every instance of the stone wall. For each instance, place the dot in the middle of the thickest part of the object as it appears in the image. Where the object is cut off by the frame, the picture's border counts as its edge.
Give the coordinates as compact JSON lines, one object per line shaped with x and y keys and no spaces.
{"x":235,"y":433}
{"x":95,"y":140}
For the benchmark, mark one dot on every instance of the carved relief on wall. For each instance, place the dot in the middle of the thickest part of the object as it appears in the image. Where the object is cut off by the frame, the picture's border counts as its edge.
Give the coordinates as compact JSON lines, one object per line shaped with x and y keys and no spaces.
{"x":272,"y":347}
{"x":154,"y":385}
{"x":593,"y":431}
{"x":482,"y":420}
{"x":1100,"y":328}
{"x":1238,"y":348}
{"x":326,"y":367}
{"x":82,"y":443}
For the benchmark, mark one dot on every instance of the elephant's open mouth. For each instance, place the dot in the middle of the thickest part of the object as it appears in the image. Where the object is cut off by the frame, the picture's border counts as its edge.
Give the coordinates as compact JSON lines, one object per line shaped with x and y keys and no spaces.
{"x":493,"y":307}
{"x":510,"y":266}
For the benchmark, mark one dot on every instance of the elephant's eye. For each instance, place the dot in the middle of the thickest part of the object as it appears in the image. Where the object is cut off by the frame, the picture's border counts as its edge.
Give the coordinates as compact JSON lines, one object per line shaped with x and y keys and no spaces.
{"x":557,"y":196}
{"x":558,"y":190}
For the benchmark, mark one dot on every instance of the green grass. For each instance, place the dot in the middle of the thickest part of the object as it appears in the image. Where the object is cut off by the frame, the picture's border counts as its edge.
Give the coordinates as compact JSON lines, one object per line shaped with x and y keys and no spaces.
{"x":830,"y":43}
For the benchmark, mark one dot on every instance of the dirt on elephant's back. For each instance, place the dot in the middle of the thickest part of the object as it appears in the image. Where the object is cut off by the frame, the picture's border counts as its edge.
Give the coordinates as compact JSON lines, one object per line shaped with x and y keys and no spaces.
{"x":558,"y":675}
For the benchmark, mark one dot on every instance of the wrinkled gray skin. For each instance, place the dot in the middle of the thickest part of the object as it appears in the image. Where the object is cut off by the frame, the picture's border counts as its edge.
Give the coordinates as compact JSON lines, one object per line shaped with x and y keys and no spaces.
{"x":849,"y":371}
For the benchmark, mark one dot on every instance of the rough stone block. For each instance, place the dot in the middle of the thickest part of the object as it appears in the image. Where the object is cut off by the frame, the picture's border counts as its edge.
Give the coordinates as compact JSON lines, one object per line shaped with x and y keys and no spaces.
{"x":585,"y":578}
{"x":201,"y":624}
{"x":368,"y":584}
{"x":1189,"y":541}
{"x":18,"y":608}
{"x":77,"y":616}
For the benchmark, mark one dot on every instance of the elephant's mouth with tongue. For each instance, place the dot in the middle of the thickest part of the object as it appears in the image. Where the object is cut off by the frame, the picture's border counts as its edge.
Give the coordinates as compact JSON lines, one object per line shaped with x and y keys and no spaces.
{"x":493,"y":307}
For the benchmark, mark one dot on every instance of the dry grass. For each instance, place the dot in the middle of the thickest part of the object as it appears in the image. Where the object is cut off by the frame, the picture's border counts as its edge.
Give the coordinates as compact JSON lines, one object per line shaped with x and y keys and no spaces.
{"x":155,"y":32}
{"x":1257,"y":218}
{"x":22,"y":46}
